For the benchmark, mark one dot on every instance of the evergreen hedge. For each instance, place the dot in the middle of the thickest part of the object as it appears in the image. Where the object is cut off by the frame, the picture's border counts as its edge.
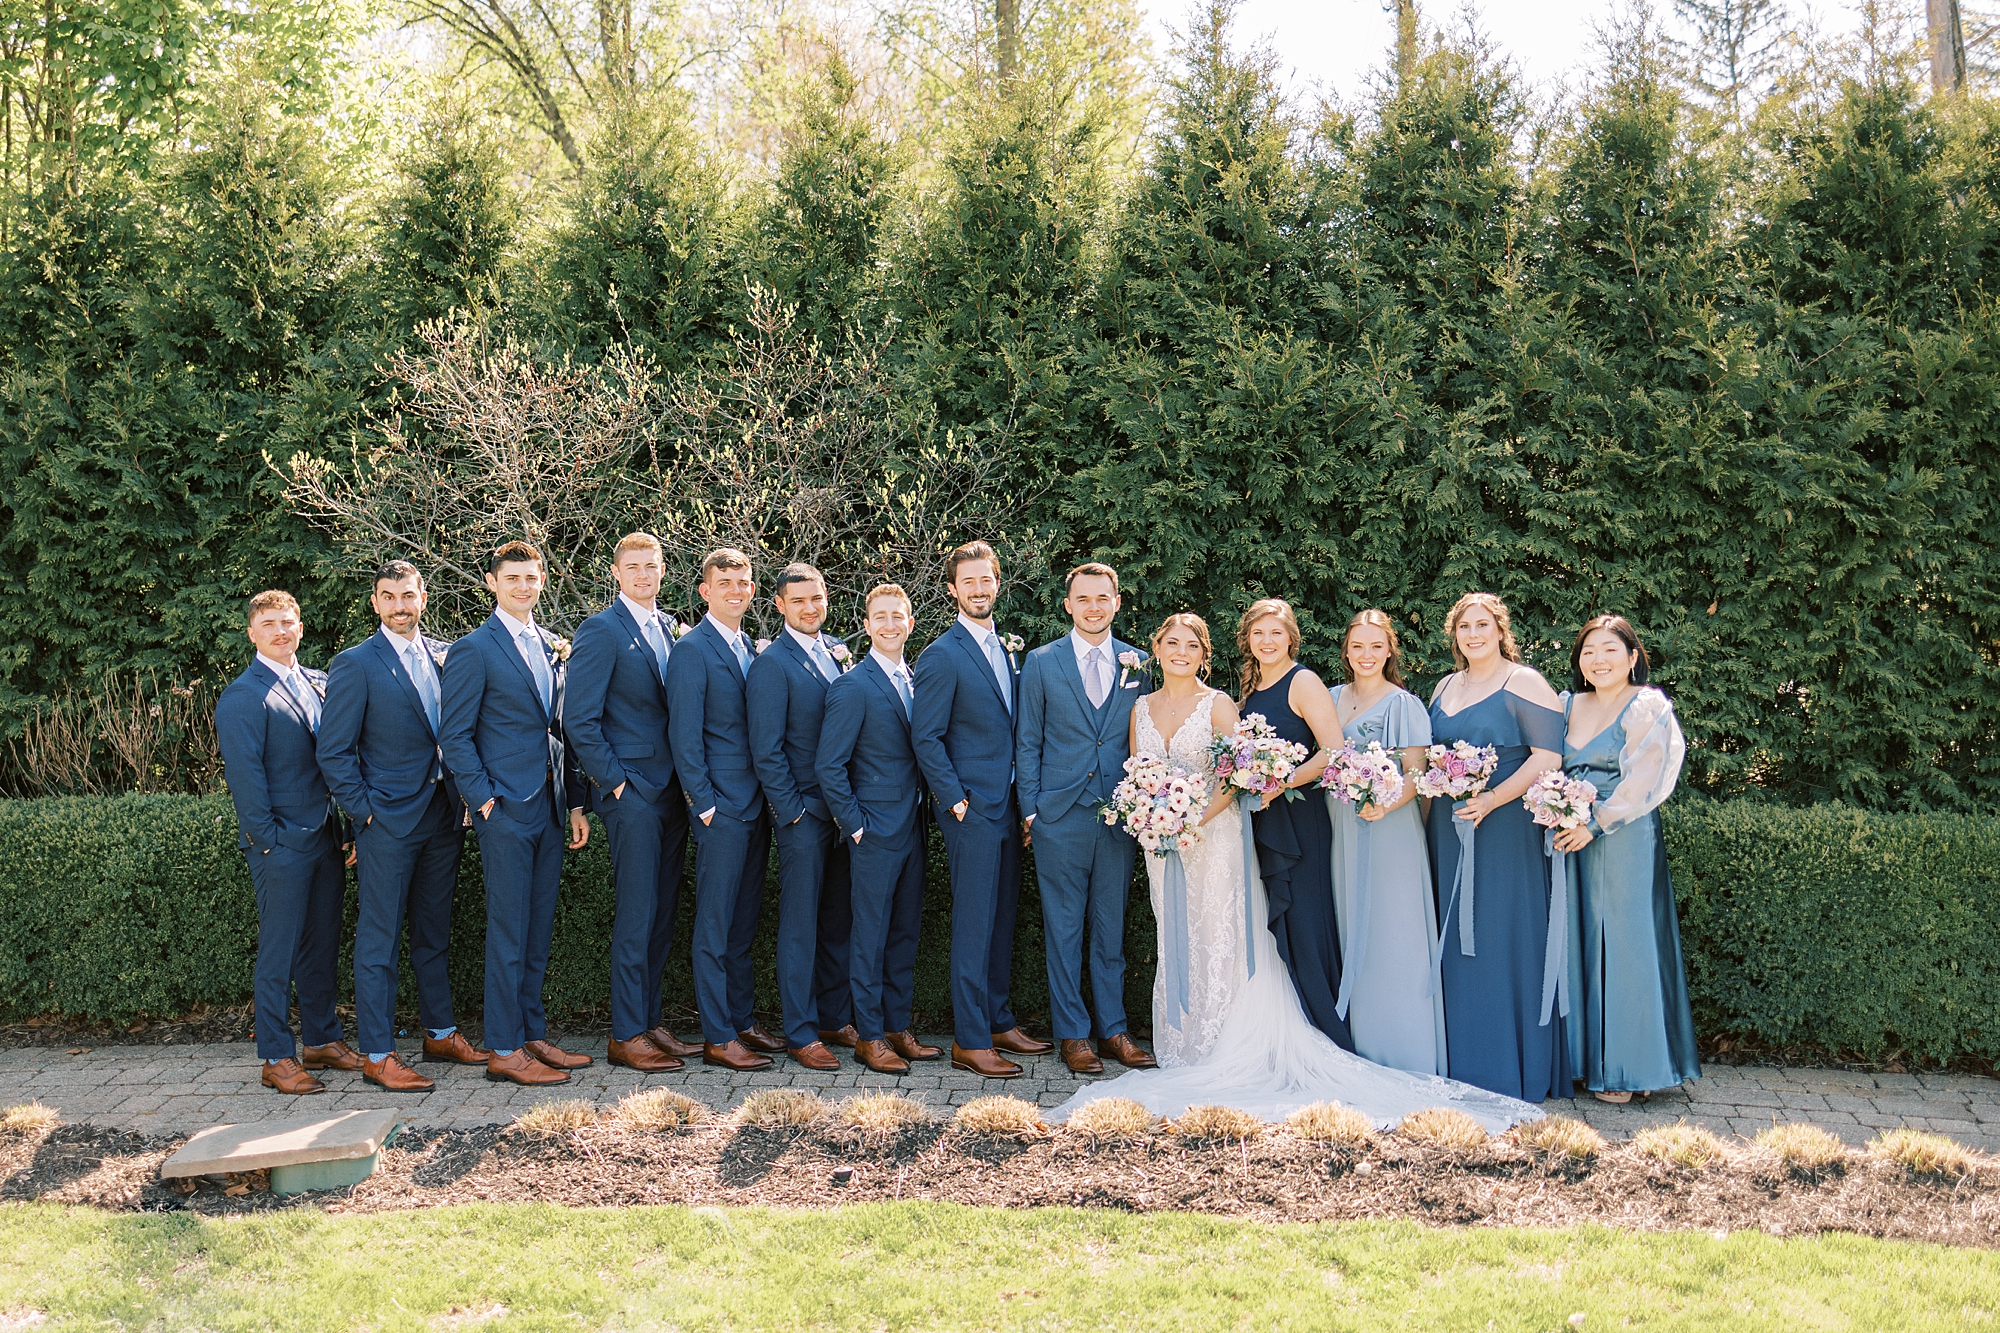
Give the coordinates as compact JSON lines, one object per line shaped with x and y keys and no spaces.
{"x":1829,"y":925}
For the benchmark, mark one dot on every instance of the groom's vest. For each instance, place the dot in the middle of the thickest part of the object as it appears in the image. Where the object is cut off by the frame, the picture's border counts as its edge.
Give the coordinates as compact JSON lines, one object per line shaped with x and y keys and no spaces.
{"x":1110,"y":765}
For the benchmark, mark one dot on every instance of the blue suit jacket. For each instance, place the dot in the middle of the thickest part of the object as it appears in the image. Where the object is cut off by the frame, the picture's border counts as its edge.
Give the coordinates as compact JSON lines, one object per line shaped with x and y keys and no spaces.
{"x":867,"y":762}
{"x":963,"y":733}
{"x":615,"y":714}
{"x":708,"y":724}
{"x":269,"y":760}
{"x":375,"y":741}
{"x":1066,"y":751}
{"x":786,"y":699}
{"x":498,"y":741}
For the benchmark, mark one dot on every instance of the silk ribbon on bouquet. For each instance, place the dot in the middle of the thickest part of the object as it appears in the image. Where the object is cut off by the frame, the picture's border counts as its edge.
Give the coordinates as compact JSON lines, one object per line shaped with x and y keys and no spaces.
{"x":1555,"y":958}
{"x":1244,"y":805}
{"x":1173,"y":895}
{"x":1461,"y":887}
{"x":1354,"y":857}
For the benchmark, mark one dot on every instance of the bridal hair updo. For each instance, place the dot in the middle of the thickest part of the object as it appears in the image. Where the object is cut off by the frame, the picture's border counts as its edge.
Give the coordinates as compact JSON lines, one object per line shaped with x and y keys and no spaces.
{"x":1392,"y":667}
{"x":1619,"y":625}
{"x":1498,"y":609}
{"x":1262,"y":609}
{"x":1200,"y":627}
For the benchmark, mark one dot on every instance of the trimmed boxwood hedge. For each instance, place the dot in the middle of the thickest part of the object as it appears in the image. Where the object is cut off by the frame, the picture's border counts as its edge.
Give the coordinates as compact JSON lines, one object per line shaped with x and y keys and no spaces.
{"x":1827,"y":925}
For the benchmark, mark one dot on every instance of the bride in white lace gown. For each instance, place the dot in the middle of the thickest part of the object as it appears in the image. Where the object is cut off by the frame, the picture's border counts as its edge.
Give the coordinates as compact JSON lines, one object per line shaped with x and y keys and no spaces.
{"x":1243,"y":1040}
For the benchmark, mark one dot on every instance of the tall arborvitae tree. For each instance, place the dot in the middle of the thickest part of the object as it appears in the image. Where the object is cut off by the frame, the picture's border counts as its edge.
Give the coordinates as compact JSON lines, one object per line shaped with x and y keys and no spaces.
{"x":446,"y":226}
{"x":1733,"y":49}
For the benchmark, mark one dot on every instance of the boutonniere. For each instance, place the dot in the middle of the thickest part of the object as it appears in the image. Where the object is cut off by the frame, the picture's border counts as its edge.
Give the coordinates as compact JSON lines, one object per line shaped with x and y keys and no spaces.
{"x":761,"y":645}
{"x":559,"y":649}
{"x":839,"y":652}
{"x":1129,"y":661}
{"x":678,"y":630}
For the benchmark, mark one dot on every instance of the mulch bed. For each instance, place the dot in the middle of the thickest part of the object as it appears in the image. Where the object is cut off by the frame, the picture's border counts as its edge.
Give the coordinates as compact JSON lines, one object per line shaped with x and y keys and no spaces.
{"x":1278,"y":1177}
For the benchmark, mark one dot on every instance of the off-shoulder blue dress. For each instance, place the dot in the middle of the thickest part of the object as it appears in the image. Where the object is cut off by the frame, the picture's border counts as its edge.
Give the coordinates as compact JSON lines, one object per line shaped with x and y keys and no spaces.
{"x":1493,"y":996}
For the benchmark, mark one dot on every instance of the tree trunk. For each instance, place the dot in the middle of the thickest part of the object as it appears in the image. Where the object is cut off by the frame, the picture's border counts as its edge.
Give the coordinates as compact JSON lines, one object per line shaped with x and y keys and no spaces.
{"x":1947,"y":46}
{"x":1007,"y":21}
{"x":1406,"y":37}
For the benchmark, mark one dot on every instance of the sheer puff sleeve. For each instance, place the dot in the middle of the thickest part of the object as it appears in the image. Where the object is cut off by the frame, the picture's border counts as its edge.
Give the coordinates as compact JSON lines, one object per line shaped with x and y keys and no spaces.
{"x":1407,"y":722}
{"x":1649,"y":763}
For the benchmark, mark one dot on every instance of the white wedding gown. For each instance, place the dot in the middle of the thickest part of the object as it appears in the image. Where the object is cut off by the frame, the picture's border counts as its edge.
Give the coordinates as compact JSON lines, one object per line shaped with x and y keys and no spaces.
{"x":1244,"y":1041}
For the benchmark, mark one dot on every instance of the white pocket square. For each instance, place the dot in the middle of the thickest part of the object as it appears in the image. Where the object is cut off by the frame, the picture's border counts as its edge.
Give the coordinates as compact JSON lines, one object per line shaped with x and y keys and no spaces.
{"x":1133,"y":686}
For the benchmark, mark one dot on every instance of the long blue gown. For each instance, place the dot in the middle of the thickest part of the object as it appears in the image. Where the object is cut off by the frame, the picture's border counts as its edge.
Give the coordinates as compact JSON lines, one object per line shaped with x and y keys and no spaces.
{"x":1295,"y":860}
{"x":1493,"y":996}
{"x":1630,"y":1029}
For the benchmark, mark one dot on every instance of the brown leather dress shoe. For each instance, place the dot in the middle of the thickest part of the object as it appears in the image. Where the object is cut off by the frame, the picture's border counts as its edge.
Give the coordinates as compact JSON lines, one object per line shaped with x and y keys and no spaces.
{"x":905,"y":1044}
{"x":456,"y":1050}
{"x":845,"y":1036}
{"x":289,"y":1076}
{"x":554,"y":1056}
{"x":1016,"y":1042}
{"x":734,"y":1055}
{"x":878,"y":1057}
{"x":1076,"y":1053}
{"x":986,"y":1064}
{"x":815,"y":1056}
{"x":333,"y":1055}
{"x":640,"y":1054}
{"x":392,"y":1074}
{"x":1125,"y":1051}
{"x":524,"y":1069}
{"x":757,"y":1039}
{"x":664,"y":1038}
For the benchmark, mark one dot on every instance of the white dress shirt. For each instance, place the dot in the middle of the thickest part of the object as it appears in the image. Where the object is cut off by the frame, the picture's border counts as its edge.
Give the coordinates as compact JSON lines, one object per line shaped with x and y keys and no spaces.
{"x":1083,"y":648}
{"x":816,"y":654}
{"x":651,"y":615}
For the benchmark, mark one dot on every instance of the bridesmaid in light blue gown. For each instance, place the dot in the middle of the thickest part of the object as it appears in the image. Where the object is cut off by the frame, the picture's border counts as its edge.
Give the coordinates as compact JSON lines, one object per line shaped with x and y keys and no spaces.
{"x":1392,"y":998}
{"x":1630,"y":1029}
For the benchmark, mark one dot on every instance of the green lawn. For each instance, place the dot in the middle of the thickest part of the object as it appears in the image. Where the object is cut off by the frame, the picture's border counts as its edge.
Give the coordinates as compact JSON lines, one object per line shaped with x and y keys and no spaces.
{"x":941,"y":1266}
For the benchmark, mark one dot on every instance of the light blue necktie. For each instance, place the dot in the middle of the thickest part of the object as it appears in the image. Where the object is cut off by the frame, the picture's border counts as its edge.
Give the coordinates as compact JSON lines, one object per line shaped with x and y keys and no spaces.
{"x":902,"y":690}
{"x":308,"y":701}
{"x":998,"y":660}
{"x":823,"y":661}
{"x":656,"y":639}
{"x":1096,"y":680}
{"x":417,"y":662}
{"x":741,"y":643}
{"x":538,"y":662}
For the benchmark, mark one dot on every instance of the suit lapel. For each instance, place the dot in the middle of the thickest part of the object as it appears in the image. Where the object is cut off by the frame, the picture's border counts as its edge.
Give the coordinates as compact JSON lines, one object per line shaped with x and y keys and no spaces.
{"x":791,"y":646}
{"x":272,"y":683}
{"x":394,"y":661}
{"x":970,"y":647}
{"x":1072,"y":671}
{"x":632,"y":630}
{"x":722,"y":652}
{"x":887,"y":689}
{"x":503,"y":635}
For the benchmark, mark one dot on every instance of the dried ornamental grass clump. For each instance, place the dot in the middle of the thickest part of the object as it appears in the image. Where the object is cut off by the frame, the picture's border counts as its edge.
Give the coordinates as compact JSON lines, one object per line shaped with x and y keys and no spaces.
{"x":1330,"y":1122}
{"x":1220,"y":1123}
{"x":782,"y":1108}
{"x":29,"y":1118}
{"x":1442,"y":1128}
{"x":1925,"y":1154}
{"x":551,"y":1118}
{"x":660,"y":1108}
{"x":1559,"y":1136}
{"x":1803,"y":1147}
{"x":1110,"y":1118}
{"x":882,"y":1112}
{"x":1682,"y":1144}
{"x":1012,"y":1117}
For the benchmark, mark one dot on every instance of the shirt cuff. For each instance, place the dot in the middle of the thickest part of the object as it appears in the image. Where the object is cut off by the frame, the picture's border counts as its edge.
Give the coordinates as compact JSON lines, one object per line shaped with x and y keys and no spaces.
{"x":703,"y":816}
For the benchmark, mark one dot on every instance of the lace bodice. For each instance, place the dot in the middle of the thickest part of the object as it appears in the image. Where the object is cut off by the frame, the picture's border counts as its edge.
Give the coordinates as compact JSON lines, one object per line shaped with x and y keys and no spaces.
{"x":1189,"y":747}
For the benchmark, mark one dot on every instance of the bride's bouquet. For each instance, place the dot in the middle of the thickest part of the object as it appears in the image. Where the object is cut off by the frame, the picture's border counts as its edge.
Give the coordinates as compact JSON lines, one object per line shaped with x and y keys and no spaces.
{"x":1373,"y":776}
{"x":1457,"y":771}
{"x":1159,"y":804}
{"x":1253,"y":758}
{"x":1558,"y":801}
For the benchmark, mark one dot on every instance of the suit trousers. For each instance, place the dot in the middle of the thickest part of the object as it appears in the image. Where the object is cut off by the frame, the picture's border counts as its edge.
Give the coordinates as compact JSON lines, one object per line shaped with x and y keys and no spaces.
{"x":985,"y":858}
{"x":729,"y":860}
{"x":298,"y":935}
{"x":1085,"y":871}
{"x":521,"y":855}
{"x":648,"y":854}
{"x":405,"y":879}
{"x":888,"y":911}
{"x":813,"y":877}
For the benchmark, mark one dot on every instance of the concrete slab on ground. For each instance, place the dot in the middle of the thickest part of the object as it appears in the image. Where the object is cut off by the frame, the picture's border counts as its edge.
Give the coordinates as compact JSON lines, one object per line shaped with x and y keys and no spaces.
{"x":290,"y":1141}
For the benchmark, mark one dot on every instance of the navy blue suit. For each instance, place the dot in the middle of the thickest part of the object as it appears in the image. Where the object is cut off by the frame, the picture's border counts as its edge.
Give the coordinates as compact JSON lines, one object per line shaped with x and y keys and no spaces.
{"x":710,"y":730}
{"x":382,"y":760}
{"x":616,"y":723}
{"x":502,"y":745}
{"x":964,"y":739}
{"x":290,"y":835}
{"x":1068,"y":757}
{"x":868,"y":770}
{"x":785,"y":696}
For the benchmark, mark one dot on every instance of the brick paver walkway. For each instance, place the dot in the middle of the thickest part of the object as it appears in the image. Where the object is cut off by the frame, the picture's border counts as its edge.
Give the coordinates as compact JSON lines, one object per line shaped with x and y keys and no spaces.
{"x":179,"y":1089}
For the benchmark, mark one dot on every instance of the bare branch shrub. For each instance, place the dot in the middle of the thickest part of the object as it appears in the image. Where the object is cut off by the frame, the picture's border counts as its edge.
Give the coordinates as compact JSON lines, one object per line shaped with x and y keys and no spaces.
{"x":126,"y":735}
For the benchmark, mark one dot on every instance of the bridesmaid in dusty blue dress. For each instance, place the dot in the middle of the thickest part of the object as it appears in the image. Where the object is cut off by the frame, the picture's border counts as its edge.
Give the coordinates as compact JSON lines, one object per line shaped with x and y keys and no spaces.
{"x":1295,"y":837}
{"x":1630,"y":1030}
{"x":1393,"y":1002}
{"x":1501,"y":1033}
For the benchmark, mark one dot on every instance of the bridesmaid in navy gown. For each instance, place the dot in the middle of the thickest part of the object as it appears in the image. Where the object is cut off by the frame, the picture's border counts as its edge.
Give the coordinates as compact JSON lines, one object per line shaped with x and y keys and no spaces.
{"x":1295,"y":837}
{"x":1495,"y":1035}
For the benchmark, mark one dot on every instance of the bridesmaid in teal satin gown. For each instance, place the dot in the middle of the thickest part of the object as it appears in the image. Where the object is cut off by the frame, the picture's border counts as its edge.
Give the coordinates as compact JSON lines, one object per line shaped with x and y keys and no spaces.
{"x":1630,"y":1029}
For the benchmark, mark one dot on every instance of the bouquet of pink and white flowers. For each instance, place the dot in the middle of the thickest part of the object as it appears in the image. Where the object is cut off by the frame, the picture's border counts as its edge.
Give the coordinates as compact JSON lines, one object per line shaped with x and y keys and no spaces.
{"x":1457,"y":771}
{"x":1159,"y":804}
{"x":1373,"y":776}
{"x":1557,"y":801}
{"x":1255,"y":759}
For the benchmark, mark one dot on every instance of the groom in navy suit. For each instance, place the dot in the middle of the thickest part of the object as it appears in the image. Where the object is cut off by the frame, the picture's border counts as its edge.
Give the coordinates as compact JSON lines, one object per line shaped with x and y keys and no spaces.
{"x":378,"y":746}
{"x":785,"y":694}
{"x":616,"y":722}
{"x":501,"y":730}
{"x":963,"y":731}
{"x":290,"y":834}
{"x":708,"y":723}
{"x":1073,"y":739}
